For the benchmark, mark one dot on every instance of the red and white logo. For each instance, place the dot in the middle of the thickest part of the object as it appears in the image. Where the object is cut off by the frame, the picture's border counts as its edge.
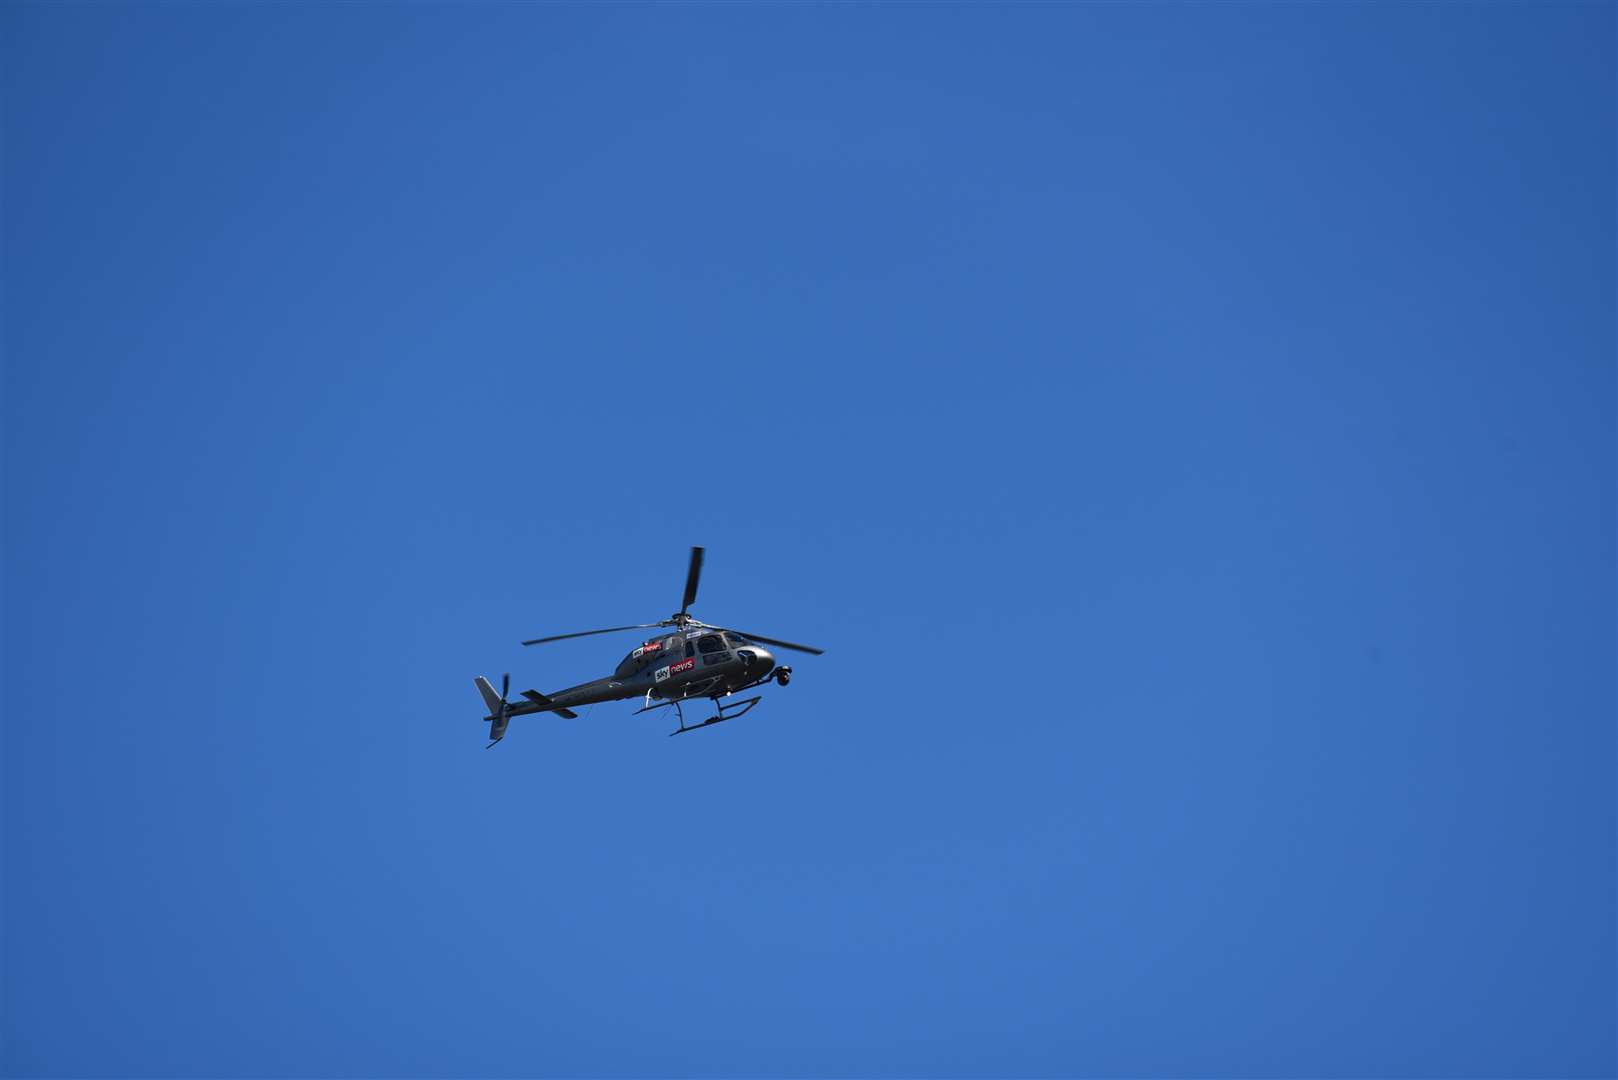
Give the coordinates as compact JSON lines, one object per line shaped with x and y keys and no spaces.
{"x":674,"y":669}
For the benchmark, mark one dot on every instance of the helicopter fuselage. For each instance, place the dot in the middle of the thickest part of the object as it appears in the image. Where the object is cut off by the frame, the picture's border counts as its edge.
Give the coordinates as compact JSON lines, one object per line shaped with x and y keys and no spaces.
{"x":689,"y":659}
{"x":678,"y":665}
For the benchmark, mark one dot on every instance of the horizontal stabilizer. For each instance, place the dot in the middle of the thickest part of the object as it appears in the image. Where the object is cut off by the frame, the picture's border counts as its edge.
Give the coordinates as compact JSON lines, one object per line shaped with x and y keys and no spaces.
{"x":546,"y":703}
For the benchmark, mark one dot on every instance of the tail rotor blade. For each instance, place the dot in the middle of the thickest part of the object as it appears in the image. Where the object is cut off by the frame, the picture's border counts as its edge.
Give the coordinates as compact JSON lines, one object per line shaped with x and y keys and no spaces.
{"x":497,"y":730}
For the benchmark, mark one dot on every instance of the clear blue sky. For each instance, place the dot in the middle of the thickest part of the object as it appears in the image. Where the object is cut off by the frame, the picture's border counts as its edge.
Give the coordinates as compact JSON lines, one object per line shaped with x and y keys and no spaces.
{"x":1189,"y":429}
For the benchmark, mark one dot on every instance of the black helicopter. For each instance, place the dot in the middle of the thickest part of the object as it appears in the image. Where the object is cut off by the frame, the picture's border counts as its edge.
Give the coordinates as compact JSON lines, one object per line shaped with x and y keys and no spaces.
{"x":697,"y":660}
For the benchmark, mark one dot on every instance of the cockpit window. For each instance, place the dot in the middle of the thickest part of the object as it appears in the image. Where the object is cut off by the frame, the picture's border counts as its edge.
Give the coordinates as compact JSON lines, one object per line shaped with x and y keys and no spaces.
{"x":736,"y":639}
{"x":710,"y":643}
{"x":648,"y":653}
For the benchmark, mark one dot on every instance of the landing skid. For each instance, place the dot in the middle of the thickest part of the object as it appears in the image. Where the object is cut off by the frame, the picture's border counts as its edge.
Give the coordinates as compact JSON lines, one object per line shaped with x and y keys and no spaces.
{"x":726,"y":711}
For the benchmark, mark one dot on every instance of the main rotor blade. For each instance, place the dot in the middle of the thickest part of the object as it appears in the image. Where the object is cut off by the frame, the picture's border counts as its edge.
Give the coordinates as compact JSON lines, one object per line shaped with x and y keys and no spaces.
{"x":692,"y":576}
{"x":587,"y":633}
{"x":775,"y":641}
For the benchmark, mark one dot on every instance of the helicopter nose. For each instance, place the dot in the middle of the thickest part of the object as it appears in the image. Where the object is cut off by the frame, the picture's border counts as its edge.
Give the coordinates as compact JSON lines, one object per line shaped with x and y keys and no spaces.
{"x":759,"y":661}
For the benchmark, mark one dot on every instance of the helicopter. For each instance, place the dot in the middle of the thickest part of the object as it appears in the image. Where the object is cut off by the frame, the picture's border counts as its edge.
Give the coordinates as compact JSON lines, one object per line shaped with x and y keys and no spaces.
{"x":696,"y":660}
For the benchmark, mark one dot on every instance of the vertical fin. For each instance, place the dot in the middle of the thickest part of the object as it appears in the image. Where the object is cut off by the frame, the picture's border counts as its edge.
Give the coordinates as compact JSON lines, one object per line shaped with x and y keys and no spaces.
{"x":490,"y":698}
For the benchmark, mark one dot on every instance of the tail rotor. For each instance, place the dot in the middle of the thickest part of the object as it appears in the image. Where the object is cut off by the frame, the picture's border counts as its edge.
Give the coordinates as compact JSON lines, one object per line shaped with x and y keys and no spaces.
{"x":499,"y":708}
